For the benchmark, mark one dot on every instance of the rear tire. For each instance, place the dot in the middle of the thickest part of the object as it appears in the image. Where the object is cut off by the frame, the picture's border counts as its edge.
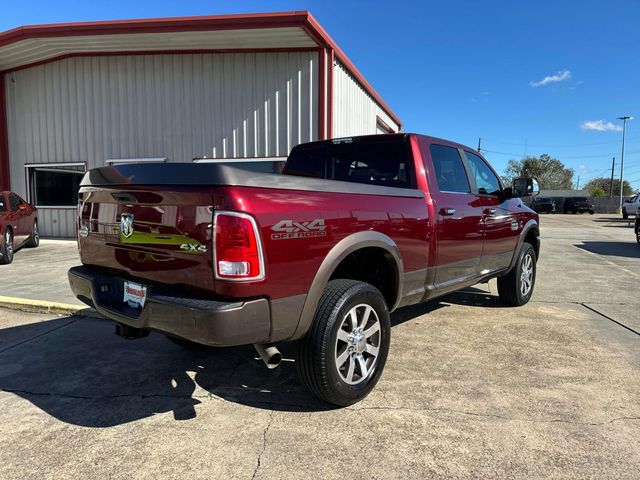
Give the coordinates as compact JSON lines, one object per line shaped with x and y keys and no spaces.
{"x":516,"y":287}
{"x":638,"y":232}
{"x":342,"y":357}
{"x":34,"y":238}
{"x":625,"y":215}
{"x":6,"y":248}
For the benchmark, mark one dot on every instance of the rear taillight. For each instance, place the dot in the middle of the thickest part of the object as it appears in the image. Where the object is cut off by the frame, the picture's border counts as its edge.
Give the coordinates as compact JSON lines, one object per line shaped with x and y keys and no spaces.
{"x":237,"y":247}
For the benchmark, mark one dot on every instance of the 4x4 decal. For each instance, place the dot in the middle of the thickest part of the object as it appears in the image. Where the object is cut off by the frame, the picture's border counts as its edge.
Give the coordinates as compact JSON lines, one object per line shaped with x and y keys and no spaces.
{"x":289,"y":229}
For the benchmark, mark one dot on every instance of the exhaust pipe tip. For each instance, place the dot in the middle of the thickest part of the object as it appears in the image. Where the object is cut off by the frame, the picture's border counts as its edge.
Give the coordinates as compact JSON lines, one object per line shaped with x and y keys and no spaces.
{"x":271,"y":356}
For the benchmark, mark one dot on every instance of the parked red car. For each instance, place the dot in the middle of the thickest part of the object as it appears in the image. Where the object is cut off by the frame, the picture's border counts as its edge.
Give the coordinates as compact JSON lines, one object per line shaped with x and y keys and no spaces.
{"x":18,"y":225}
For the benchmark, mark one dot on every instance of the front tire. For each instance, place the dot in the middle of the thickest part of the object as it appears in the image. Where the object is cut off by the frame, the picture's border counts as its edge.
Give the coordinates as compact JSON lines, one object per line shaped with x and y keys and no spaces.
{"x":516,"y":287}
{"x":638,"y":232}
{"x":342,"y":357}
{"x":34,"y":238}
{"x":6,"y":248}
{"x":625,"y":215}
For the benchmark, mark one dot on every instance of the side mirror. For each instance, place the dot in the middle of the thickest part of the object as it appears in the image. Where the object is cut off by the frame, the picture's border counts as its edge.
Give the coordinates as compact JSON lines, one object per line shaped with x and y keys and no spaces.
{"x":525,"y":187}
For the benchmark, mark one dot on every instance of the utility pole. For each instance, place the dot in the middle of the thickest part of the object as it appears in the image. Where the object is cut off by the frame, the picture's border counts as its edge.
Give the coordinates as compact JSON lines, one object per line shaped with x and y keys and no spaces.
{"x":613,"y":165}
{"x":578,"y":184}
{"x":624,"y":131}
{"x":479,"y":141}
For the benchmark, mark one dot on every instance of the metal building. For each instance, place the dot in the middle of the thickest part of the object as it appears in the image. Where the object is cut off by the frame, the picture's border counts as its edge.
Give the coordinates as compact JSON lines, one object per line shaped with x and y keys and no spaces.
{"x":78,"y":96}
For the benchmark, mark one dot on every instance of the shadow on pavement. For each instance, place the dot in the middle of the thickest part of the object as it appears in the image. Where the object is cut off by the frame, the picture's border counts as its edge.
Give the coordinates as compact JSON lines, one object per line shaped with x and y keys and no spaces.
{"x":616,"y":249}
{"x":78,"y":371}
{"x":617,"y":222}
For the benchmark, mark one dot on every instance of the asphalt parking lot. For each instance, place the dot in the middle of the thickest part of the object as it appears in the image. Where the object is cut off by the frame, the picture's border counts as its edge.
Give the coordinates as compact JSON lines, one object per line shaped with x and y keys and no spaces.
{"x":471,"y":389}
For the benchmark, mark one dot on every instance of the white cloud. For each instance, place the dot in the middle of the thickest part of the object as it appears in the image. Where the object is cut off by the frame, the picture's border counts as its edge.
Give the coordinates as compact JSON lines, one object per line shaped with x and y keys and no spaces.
{"x":600,"y":126}
{"x":561,"y":76}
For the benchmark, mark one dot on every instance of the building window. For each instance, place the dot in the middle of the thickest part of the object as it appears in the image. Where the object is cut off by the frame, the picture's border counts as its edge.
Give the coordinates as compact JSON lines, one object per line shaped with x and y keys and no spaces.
{"x":54,"y":185}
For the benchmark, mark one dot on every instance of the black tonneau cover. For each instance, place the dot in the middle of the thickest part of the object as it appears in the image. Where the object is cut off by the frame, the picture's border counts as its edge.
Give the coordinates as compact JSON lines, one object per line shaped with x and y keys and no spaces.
{"x":214,"y":174}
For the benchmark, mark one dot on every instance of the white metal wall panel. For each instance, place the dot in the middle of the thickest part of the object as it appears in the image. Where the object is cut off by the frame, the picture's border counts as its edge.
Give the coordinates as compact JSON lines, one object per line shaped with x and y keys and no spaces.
{"x":59,"y":222}
{"x":90,"y":109}
{"x":355,"y":112}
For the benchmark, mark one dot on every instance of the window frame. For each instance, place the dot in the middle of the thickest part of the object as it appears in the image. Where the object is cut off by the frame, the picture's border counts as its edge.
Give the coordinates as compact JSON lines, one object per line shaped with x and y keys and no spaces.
{"x":110,"y":162}
{"x":27,"y":166}
{"x":472,"y":177}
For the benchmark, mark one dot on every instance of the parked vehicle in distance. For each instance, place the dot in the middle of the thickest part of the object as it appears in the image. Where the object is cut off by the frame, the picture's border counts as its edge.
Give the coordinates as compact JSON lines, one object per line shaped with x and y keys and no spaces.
{"x":543,"y":205}
{"x":578,"y":205}
{"x":18,"y":225}
{"x":630,"y":207}
{"x":321,"y":254}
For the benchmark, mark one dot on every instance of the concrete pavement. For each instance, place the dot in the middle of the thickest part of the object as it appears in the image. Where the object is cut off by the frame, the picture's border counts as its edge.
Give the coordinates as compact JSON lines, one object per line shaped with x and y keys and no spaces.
{"x":471,"y":389}
{"x":41,"y":273}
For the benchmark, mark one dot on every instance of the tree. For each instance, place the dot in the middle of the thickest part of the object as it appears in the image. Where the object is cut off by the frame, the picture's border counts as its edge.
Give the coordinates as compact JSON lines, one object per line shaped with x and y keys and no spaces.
{"x":550,"y":173}
{"x":598,"y":192}
{"x":604,"y":183}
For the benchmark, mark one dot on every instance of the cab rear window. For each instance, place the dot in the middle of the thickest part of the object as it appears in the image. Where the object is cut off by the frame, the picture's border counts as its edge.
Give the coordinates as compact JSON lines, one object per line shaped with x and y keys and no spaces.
{"x":376,"y":160}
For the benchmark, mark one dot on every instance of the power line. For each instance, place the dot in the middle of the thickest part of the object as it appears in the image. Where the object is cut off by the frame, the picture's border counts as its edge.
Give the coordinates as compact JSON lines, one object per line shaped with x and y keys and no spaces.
{"x":572,"y":157}
{"x":539,"y":145}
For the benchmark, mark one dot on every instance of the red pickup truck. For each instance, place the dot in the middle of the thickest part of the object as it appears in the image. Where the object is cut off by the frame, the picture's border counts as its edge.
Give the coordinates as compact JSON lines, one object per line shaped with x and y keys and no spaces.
{"x":352,"y":229}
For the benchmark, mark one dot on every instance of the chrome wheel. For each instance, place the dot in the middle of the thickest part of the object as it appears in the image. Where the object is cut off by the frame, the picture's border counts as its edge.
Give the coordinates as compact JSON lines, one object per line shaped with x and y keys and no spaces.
{"x":358,"y":344}
{"x":36,"y":234}
{"x":526,"y":275}
{"x":8,"y":246}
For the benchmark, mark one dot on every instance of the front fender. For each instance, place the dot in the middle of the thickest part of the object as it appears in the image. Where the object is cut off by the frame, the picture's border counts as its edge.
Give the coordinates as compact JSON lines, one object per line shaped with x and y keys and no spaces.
{"x":531,"y":225}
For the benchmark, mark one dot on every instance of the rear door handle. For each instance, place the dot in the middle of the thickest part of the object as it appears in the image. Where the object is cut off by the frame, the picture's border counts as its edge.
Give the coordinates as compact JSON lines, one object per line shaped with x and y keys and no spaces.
{"x":447,"y":211}
{"x":489,"y":211}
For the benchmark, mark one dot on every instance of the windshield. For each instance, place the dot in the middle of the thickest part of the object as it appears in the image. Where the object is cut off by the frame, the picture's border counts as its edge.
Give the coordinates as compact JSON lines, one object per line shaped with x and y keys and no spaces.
{"x":376,"y":160}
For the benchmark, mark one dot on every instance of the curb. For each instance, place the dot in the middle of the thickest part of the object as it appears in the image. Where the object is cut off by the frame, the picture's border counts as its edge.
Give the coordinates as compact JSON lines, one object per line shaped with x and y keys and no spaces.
{"x":42,"y":306}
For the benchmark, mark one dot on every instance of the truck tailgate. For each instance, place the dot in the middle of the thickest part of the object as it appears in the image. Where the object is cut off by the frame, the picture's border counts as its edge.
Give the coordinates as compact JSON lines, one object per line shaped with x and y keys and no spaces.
{"x":160,"y":234}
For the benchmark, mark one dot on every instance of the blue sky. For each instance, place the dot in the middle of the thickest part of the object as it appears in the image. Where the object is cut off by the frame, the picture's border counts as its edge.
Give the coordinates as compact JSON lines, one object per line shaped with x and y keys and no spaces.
{"x":464,"y":69}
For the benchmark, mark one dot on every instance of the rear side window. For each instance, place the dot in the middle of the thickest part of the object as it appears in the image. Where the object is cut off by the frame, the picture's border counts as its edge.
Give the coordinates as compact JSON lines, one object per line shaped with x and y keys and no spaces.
{"x":487,"y":182}
{"x":358,"y":160}
{"x":13,"y":202}
{"x":449,"y":170}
